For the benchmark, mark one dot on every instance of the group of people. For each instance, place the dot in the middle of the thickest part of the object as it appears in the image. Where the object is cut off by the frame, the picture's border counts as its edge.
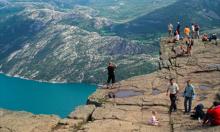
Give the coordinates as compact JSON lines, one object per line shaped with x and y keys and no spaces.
{"x":189,"y":35}
{"x":189,"y":94}
{"x":184,"y":50}
{"x":212,"y":117}
{"x":194,"y":32}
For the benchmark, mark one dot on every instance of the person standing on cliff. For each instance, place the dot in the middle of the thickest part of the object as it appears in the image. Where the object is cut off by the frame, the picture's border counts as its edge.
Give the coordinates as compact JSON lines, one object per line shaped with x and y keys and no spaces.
{"x":111,"y":74}
{"x":178,"y":27}
{"x":197,"y":29}
{"x":173,"y":89}
{"x":186,"y":31}
{"x":170,"y":29}
{"x":193,"y":30}
{"x":189,"y":93}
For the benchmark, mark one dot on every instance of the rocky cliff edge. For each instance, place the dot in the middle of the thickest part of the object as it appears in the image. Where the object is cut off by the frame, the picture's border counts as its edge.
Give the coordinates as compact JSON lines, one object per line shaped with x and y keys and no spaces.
{"x":127,"y":107}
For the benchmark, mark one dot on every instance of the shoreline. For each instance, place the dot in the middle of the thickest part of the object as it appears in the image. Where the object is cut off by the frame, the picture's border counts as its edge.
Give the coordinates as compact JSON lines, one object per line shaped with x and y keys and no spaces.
{"x":47,"y":83}
{"x":43,"y":81}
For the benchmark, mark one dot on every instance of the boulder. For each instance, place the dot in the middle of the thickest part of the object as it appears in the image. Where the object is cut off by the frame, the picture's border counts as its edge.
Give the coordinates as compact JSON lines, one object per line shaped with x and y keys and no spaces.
{"x":83,"y":112}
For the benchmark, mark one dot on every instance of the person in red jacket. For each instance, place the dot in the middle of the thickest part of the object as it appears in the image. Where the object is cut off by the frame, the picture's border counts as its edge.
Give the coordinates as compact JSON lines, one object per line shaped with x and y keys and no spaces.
{"x":213,"y":115}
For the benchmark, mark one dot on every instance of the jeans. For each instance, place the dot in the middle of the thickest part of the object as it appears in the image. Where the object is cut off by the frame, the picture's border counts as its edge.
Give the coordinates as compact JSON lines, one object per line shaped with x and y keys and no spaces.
{"x":187,"y":104}
{"x":170,"y":33}
{"x":173,"y":102}
{"x":197,"y":35}
{"x":111,"y":77}
{"x":193,"y":34}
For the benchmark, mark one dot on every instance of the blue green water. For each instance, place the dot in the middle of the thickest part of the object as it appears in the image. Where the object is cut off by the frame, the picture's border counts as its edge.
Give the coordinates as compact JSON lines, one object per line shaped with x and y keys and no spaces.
{"x":42,"y":98}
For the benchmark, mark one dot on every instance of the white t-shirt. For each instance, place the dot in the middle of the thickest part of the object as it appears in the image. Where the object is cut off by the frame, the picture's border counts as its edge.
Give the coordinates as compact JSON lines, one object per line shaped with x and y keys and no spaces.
{"x":193,"y":28}
{"x":170,"y":27}
{"x":173,"y":88}
{"x":177,"y":37}
{"x":153,"y":121}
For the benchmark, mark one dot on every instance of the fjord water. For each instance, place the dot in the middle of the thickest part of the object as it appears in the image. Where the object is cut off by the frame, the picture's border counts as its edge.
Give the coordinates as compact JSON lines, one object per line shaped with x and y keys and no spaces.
{"x":42,"y":98}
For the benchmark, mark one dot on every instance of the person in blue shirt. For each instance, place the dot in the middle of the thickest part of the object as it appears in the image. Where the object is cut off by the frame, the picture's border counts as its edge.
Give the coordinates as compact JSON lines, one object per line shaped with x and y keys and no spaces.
{"x":189,"y":93}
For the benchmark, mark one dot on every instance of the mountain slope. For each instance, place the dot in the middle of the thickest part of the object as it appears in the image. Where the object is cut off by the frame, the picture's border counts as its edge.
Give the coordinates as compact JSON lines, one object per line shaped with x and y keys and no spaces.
{"x":52,"y":50}
{"x":204,"y":12}
{"x":72,"y":41}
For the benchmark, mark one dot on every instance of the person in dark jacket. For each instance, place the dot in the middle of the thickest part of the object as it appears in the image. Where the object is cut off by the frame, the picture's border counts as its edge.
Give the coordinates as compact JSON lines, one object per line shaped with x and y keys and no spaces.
{"x":199,"y":113}
{"x":197,"y":29}
{"x":178,"y":27}
{"x":213,"y":37}
{"x":111,"y":74}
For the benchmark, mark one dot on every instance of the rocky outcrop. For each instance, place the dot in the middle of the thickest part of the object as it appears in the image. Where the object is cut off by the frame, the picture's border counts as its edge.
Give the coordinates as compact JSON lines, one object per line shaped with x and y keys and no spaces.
{"x":131,"y":112}
{"x":83,"y":112}
{"x":26,"y":122}
{"x":133,"y":99}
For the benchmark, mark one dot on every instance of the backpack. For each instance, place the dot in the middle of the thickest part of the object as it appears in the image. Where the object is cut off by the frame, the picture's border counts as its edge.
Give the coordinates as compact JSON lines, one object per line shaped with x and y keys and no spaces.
{"x":196,"y":27}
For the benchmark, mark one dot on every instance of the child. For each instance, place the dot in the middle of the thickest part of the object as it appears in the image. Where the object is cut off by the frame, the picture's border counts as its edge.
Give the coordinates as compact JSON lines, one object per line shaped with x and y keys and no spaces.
{"x":153,"y":120}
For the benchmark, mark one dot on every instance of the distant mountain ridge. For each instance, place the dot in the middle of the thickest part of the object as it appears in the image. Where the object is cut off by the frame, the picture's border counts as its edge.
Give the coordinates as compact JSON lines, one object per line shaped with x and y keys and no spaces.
{"x":204,"y":12}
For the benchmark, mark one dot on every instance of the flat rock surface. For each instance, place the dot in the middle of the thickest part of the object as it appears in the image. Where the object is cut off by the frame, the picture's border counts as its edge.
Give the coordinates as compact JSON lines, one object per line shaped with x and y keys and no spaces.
{"x":202,"y":68}
{"x":26,"y":122}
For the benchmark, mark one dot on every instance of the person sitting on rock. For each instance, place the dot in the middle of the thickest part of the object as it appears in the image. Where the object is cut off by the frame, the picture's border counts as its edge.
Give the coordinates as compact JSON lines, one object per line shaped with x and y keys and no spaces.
{"x":205,"y":38}
{"x":177,"y":37}
{"x":198,"y":112}
{"x":180,"y":51}
{"x":213,"y":115}
{"x":189,"y":43}
{"x":153,"y":120}
{"x":212,"y":37}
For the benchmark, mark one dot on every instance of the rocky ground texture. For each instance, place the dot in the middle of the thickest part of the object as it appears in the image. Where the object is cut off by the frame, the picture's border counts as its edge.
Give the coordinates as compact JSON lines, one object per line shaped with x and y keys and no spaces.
{"x":136,"y":97}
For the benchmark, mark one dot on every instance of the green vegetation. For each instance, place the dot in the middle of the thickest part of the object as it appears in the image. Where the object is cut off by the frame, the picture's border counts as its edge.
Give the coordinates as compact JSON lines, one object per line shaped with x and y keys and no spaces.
{"x":126,"y":10}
